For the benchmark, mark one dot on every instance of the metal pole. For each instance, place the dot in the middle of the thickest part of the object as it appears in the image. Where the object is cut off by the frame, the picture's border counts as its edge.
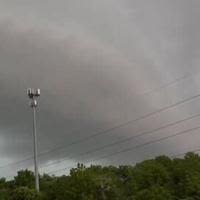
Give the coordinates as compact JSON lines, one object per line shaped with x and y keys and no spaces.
{"x":35,"y":149}
{"x":33,"y":94}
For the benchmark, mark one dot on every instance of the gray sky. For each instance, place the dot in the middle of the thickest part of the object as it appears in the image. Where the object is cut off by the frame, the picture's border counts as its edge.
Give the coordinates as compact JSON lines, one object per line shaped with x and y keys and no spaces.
{"x":97,"y":63}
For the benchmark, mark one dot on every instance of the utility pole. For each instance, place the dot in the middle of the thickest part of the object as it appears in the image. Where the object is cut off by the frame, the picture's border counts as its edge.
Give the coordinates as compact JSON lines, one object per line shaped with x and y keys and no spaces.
{"x":33,"y":94}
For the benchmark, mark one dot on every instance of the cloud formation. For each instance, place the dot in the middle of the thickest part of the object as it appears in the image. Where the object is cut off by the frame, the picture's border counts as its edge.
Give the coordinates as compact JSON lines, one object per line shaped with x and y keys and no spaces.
{"x":93,"y":61}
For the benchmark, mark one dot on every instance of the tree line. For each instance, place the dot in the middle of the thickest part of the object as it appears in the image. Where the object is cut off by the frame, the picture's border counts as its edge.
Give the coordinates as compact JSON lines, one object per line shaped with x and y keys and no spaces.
{"x":161,"y":178}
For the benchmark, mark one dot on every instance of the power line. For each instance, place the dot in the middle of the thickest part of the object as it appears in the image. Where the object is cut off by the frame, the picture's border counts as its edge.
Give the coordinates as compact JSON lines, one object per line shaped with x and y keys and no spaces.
{"x":72,"y":166}
{"x":108,"y":130}
{"x":123,"y":124}
{"x":125,"y":140}
{"x":172,"y":156}
{"x":136,"y":146}
{"x":113,"y":128}
{"x":16,"y":163}
{"x":148,"y":143}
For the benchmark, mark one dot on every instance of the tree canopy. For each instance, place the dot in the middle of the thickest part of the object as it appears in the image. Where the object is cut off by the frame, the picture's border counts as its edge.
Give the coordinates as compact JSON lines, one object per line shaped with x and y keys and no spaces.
{"x":161,"y":178}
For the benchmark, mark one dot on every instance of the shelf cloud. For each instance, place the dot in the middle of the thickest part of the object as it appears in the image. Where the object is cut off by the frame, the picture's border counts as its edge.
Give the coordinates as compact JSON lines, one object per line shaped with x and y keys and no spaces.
{"x":99,"y":64}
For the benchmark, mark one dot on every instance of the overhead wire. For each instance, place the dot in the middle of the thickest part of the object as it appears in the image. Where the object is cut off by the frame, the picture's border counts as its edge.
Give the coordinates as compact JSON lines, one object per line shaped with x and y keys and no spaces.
{"x":181,"y":102}
{"x":128,"y":139}
{"x":117,"y":126}
{"x":135,"y":147}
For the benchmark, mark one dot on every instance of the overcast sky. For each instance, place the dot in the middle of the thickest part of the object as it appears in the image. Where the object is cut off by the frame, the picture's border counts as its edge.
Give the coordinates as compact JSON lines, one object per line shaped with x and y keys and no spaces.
{"x":99,"y":64}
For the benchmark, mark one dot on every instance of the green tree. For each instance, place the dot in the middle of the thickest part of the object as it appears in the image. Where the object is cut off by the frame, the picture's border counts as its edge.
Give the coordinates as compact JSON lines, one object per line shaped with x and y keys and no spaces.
{"x":24,"y":193}
{"x":154,"y":193}
{"x":150,"y":173}
{"x":155,"y":179}
{"x":24,"y":178}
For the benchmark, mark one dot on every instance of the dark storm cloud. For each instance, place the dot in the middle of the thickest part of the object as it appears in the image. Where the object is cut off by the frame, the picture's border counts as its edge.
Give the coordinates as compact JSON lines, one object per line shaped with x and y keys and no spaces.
{"x":93,"y":61}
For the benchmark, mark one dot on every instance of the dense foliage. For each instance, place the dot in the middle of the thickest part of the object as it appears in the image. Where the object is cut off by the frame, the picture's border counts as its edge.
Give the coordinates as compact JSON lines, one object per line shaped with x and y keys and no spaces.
{"x":161,"y":178}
